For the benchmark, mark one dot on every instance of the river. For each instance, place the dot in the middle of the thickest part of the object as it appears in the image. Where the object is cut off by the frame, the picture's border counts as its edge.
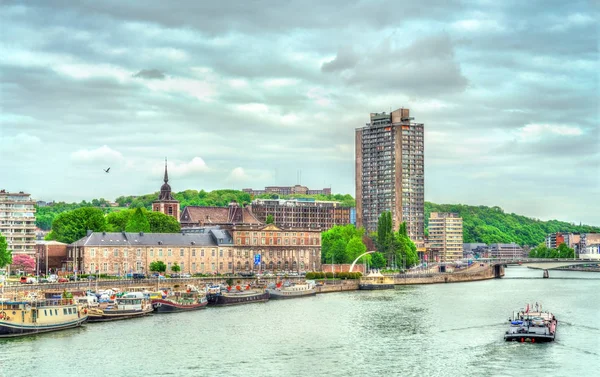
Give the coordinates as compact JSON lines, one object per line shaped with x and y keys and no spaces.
{"x":430,"y":330}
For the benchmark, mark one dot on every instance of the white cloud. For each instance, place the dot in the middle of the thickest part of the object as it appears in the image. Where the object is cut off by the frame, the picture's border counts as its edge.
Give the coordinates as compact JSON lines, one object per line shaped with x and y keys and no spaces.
{"x":472,"y":25}
{"x":199,"y":89}
{"x":86,"y":71}
{"x":241,"y":175}
{"x":277,"y":83}
{"x":319,"y":96}
{"x":257,"y":108}
{"x":101,"y":154}
{"x":534,"y":131}
{"x":182,"y":169}
{"x":19,"y":144}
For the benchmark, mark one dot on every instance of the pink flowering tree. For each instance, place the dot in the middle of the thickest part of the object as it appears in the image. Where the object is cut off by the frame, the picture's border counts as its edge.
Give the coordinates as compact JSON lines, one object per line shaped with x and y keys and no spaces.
{"x":23,"y":262}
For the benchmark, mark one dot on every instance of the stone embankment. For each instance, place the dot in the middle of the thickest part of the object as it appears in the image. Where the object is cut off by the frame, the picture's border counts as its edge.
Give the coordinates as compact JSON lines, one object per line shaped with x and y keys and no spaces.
{"x":456,"y":277}
{"x":329,"y":286}
{"x":338,"y":286}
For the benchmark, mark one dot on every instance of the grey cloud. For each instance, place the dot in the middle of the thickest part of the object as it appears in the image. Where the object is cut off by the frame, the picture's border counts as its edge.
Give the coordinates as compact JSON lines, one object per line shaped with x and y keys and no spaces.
{"x":346,"y":58}
{"x":426,"y":67}
{"x":387,"y":53}
{"x":151,"y":74}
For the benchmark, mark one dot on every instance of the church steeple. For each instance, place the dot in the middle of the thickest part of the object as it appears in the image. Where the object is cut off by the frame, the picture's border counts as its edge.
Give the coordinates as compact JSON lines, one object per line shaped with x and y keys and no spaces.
{"x":166,"y":203}
{"x":166,"y":174}
{"x":165,"y":190}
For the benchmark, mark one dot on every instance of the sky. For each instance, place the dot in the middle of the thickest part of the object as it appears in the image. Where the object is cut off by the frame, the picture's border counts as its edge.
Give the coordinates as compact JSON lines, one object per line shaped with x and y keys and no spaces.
{"x":249,"y":93}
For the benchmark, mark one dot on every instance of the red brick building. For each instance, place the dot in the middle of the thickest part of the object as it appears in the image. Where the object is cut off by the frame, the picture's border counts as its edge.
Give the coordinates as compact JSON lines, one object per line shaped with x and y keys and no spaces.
{"x":51,"y":256}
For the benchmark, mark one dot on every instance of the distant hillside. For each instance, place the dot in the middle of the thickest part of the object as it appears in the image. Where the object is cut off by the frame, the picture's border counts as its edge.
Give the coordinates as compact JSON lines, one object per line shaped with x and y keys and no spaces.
{"x":480,"y":223}
{"x":492,"y":225}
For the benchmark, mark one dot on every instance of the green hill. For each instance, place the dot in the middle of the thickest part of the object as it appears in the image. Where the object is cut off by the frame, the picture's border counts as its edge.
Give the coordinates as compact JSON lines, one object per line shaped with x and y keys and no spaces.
{"x":480,"y":223}
{"x":492,"y":225}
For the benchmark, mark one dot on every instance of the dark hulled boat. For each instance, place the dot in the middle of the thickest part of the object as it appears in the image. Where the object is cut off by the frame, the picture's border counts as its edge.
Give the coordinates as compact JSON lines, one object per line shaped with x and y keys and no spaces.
{"x":179,"y":302}
{"x":374,"y":286}
{"x":217,"y":297}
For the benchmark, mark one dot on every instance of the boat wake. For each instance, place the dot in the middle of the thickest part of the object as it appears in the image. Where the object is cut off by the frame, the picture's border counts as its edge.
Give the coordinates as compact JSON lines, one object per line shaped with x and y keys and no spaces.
{"x":475,"y":327}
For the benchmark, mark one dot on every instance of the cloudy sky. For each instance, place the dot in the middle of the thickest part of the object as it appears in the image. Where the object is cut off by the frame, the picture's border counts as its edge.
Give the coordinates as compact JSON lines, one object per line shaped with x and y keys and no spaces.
{"x":248,"y":93}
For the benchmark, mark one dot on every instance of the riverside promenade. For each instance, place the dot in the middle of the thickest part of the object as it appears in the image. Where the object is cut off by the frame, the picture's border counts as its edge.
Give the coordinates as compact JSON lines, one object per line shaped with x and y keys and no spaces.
{"x":413,"y":278}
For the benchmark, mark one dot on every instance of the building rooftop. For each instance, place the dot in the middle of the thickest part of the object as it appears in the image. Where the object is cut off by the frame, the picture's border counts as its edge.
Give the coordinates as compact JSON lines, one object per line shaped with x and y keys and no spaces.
{"x":151,"y":239}
{"x":218,"y":215}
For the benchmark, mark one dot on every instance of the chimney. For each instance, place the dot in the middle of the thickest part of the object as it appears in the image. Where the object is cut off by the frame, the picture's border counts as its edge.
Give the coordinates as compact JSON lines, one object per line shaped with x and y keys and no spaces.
{"x":141,"y":233}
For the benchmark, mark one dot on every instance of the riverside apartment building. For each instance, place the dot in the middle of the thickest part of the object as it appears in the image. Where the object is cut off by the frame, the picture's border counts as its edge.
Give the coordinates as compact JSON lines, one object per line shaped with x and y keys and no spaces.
{"x":390,"y":172}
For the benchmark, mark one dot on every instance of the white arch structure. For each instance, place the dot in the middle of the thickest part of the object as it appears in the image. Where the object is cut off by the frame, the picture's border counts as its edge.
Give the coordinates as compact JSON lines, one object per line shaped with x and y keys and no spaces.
{"x":360,"y":256}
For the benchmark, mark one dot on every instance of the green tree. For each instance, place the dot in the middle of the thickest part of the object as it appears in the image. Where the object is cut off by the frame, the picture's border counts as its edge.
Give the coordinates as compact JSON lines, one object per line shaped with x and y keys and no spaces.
{"x":158,"y":266}
{"x":270,"y":219}
{"x":161,"y":223}
{"x":138,"y":222}
{"x":385,"y":236}
{"x":564,"y":251}
{"x":5,"y":254}
{"x":117,"y":221}
{"x":354,"y":248}
{"x":70,"y":226}
{"x":406,"y":250}
{"x":334,"y":243}
{"x":175,"y":267}
{"x":377,"y":260}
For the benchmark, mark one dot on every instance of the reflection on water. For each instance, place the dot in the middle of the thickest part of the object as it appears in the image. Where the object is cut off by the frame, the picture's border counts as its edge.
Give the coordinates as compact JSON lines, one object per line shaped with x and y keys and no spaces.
{"x":430,"y":330}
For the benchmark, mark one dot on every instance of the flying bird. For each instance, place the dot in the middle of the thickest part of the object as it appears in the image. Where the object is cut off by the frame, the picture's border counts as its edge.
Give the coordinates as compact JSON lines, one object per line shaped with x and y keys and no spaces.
{"x":106,"y":170}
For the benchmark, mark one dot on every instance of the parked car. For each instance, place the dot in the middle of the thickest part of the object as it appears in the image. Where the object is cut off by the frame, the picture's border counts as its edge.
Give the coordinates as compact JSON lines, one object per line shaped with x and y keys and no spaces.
{"x":23,"y":280}
{"x":176,"y":276}
{"x":29,"y":280}
{"x":139,"y":276}
{"x":74,"y":278}
{"x":91,"y":277}
{"x":63,"y":280}
{"x":187,"y":276}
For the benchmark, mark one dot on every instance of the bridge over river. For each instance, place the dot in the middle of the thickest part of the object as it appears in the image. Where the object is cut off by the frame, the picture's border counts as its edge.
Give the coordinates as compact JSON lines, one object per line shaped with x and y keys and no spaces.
{"x":539,"y":263}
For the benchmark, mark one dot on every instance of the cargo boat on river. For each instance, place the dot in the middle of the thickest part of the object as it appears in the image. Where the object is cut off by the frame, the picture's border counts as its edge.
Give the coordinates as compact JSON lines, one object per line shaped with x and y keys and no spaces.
{"x":131,"y":305}
{"x":218,"y":296}
{"x":20,"y":317}
{"x":535,"y":326}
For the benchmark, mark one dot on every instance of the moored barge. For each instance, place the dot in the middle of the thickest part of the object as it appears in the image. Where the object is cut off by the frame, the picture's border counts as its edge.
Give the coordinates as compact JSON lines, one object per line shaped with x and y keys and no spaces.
{"x":28,"y":317}
{"x":218,"y":297}
{"x":180,"y":302}
{"x":131,"y":305}
{"x":535,"y":326}
{"x":285,"y":291}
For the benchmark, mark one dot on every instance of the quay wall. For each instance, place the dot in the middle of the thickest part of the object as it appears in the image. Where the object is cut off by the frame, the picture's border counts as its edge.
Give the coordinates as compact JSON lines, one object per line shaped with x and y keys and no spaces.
{"x":342,"y":285}
{"x":485,"y":274}
{"x":328,"y":286}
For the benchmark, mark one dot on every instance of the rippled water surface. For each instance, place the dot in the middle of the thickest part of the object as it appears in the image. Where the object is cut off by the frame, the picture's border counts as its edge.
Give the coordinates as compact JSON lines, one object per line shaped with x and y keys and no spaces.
{"x":431,"y":330}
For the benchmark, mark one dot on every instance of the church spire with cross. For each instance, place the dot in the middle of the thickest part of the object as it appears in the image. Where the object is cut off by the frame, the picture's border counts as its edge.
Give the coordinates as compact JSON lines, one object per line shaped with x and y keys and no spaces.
{"x":166,"y":203}
{"x":166,"y":174}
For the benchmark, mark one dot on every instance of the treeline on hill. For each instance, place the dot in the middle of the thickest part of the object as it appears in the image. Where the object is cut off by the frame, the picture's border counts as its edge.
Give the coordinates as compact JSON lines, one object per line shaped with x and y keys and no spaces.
{"x":72,"y":225}
{"x":480,"y":223}
{"x":218,"y":198}
{"x":492,"y":225}
{"x":222,"y":198}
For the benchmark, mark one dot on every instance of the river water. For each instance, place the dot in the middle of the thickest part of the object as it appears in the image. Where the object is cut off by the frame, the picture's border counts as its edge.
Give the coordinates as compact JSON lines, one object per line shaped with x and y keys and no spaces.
{"x":430,"y":330}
